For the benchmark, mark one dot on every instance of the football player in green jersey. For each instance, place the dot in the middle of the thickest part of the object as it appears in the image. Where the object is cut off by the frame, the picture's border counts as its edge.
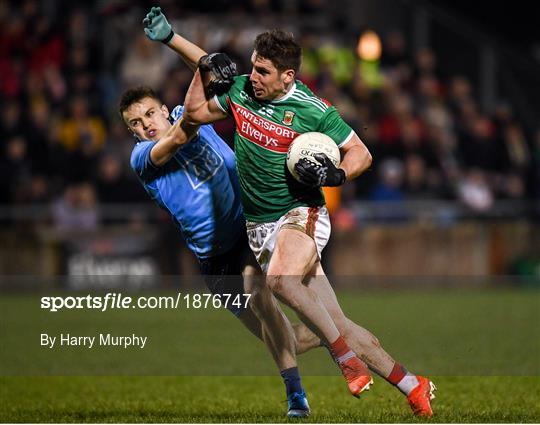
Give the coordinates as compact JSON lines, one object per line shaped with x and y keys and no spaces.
{"x":288,"y":224}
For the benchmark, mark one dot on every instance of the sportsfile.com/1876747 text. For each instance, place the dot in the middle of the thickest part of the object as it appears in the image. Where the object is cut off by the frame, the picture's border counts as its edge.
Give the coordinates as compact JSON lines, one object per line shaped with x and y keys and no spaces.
{"x":112,"y":301}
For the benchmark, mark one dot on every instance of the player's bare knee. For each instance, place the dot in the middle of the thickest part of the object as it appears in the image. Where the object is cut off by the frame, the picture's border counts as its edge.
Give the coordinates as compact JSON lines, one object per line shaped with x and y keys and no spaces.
{"x":276,"y":283}
{"x":256,"y":301}
{"x":261,"y":302}
{"x":283,"y":287}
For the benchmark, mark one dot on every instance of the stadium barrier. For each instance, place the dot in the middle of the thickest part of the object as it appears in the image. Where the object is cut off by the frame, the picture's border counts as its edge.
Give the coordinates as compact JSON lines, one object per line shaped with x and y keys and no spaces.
{"x":369,"y":239}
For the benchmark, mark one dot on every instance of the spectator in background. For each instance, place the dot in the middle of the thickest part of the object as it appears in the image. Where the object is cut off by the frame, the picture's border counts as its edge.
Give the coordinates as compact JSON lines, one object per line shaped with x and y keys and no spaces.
{"x":478,"y":145}
{"x":389,"y":188}
{"x":309,"y":69}
{"x":340,"y":62}
{"x":399,"y":115}
{"x":112,"y":184}
{"x":15,"y":169}
{"x":175,"y":85}
{"x":81,"y":77}
{"x":394,"y":52}
{"x":144,"y":63}
{"x":77,"y":209}
{"x":119,"y":143}
{"x":82,"y":130}
{"x":12,"y":53}
{"x":516,"y":149}
{"x":460,"y":92}
{"x":396,"y":64}
{"x":412,"y":140}
{"x":428,"y":92}
{"x":448,"y":161}
{"x":12,"y":123}
{"x":37,"y":132}
{"x":513,"y":186}
{"x":47,"y":47}
{"x":37,"y":191}
{"x":516,"y":162}
{"x":79,"y":32}
{"x":82,"y":135}
{"x":344,"y":104}
{"x":437,"y":118}
{"x":425,"y":65}
{"x":232,"y":49}
{"x":474,"y":191}
{"x":52,"y":53}
{"x":419,"y":182}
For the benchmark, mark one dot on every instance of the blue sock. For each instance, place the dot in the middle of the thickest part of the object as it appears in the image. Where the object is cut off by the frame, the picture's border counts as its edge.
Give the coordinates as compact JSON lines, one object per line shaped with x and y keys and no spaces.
{"x":292,"y":380}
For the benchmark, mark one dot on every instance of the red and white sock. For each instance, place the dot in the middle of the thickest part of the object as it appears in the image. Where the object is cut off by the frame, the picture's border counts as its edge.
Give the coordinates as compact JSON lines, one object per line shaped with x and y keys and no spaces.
{"x":349,"y":363}
{"x":341,"y":351}
{"x":403,"y":379}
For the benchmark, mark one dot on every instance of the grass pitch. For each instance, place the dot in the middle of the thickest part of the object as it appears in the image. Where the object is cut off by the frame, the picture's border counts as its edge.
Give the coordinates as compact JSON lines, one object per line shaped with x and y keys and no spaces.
{"x":256,"y":399}
{"x":481,"y":348}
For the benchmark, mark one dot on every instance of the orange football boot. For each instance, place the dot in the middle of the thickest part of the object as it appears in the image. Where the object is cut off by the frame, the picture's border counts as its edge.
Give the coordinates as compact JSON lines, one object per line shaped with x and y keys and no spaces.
{"x":357,"y":375}
{"x":420,"y":397}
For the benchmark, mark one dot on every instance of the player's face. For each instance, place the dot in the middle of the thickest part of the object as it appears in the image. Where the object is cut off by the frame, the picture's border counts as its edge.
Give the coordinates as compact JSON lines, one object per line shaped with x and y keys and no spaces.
{"x":147,"y":119}
{"x":268,"y":83}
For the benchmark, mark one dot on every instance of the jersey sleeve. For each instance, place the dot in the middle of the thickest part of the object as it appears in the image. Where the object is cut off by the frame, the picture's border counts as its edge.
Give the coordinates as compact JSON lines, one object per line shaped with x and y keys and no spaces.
{"x":141,"y":162}
{"x":334,"y":126}
{"x":177,"y":112}
{"x":222,"y":100}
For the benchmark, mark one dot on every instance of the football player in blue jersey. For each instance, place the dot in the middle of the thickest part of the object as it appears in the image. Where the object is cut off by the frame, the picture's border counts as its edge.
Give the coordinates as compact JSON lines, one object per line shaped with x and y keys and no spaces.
{"x":190,"y":173}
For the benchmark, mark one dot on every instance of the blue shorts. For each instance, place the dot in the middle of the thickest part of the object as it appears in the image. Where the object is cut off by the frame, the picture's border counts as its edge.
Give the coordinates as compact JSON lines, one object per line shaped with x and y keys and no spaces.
{"x":223,"y":274}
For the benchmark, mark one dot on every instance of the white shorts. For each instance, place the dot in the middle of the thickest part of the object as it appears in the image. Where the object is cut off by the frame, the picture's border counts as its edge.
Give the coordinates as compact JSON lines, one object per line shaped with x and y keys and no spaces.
{"x":313,"y":221}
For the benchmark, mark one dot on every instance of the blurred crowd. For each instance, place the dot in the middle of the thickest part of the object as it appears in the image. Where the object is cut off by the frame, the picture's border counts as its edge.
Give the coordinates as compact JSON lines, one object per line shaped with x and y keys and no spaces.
{"x":63,"y":67}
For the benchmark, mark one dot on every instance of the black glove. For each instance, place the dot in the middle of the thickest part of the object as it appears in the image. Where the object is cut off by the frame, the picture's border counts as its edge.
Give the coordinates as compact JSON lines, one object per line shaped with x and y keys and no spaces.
{"x":217,"y":72}
{"x":323,"y":174}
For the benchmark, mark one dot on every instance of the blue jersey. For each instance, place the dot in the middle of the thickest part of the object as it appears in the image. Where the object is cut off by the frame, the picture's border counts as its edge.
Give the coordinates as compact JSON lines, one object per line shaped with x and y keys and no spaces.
{"x":198,"y":187}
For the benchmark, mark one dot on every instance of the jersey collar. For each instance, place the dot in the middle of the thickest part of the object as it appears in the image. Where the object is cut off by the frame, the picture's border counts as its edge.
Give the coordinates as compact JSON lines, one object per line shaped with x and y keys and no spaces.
{"x":289,"y":94}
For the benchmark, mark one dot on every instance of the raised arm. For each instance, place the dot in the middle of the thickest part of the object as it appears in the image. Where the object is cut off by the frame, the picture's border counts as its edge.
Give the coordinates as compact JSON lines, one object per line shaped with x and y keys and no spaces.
{"x":189,"y":52}
{"x":200,"y":108}
{"x":197,"y":108}
{"x":179,"y":134}
{"x":157,"y":28}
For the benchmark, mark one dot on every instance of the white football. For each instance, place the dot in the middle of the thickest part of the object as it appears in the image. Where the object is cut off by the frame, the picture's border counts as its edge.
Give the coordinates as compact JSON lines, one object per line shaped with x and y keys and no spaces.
{"x":308,"y":144}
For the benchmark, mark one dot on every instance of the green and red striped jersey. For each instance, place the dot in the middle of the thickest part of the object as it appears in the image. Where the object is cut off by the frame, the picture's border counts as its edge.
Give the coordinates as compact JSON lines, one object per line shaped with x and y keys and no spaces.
{"x":264,"y":131}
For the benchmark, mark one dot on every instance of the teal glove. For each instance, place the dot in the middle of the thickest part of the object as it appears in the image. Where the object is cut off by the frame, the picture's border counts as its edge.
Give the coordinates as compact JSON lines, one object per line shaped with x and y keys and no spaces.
{"x":156,"y":26}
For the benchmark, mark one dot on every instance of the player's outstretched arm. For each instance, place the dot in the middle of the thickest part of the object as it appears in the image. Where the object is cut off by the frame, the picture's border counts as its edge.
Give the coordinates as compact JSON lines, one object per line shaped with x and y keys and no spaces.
{"x":179,"y":134}
{"x":157,"y":28}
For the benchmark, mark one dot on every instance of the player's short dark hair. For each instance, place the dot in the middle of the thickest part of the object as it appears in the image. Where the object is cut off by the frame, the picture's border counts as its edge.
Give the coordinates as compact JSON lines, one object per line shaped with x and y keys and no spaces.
{"x":279,"y":47}
{"x":134,"y":95}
